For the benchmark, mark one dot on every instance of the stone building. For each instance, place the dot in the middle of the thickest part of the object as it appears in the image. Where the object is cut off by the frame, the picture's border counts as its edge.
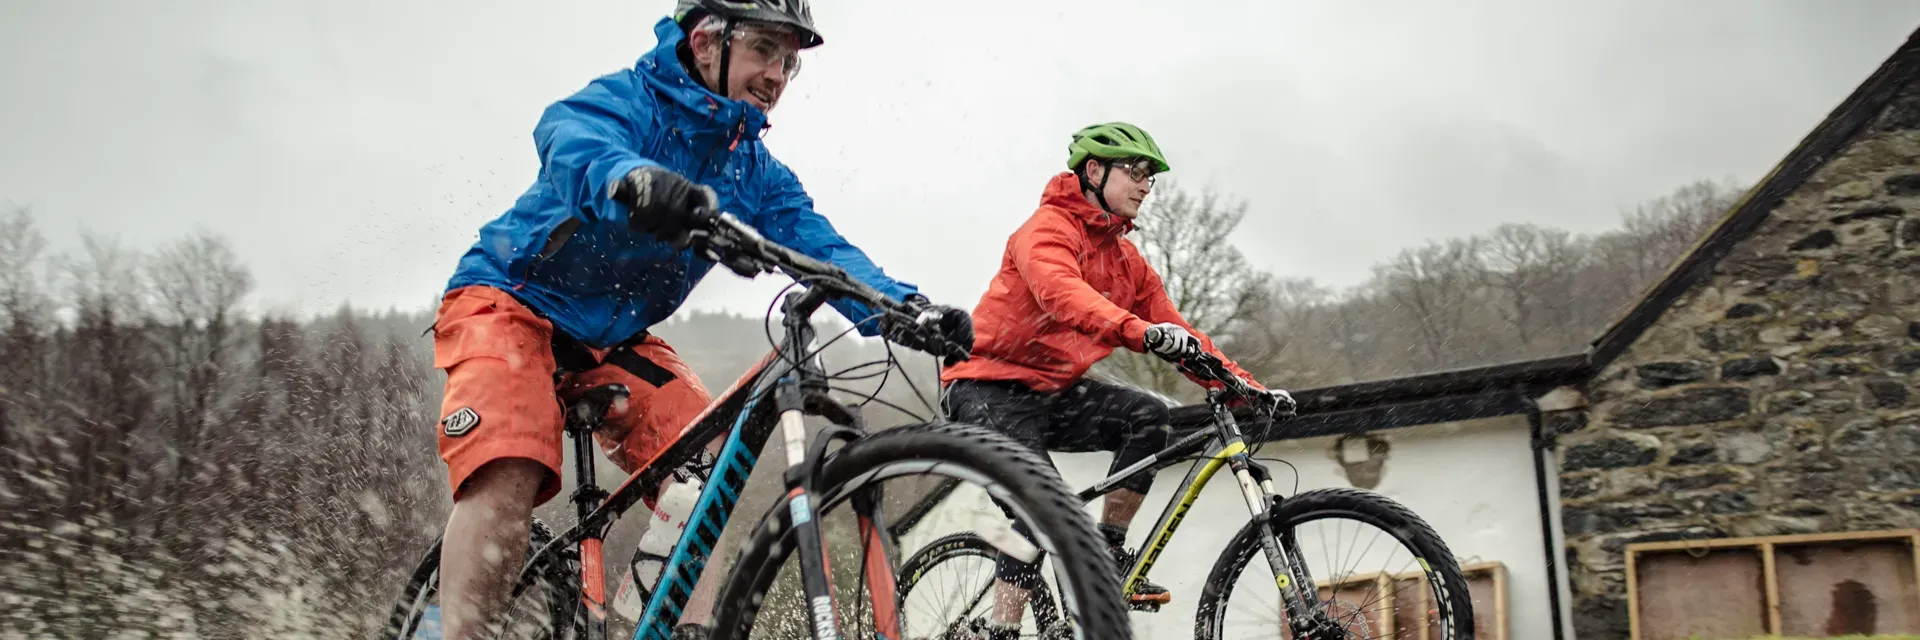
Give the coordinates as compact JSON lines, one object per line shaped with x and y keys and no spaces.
{"x":1742,"y":446}
{"x":1766,"y":386}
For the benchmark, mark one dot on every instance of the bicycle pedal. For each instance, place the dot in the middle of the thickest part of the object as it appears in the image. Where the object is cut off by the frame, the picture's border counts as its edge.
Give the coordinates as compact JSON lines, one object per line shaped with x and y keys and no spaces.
{"x":1150,"y":602}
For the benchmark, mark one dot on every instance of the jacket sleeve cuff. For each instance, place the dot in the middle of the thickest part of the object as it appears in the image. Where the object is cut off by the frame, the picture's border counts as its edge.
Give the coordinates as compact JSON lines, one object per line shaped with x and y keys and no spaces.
{"x":1134,"y":333}
{"x":606,"y":208}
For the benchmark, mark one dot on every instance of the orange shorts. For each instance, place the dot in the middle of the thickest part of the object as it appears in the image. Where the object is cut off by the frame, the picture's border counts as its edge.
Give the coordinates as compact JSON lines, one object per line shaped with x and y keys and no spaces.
{"x":503,"y":400}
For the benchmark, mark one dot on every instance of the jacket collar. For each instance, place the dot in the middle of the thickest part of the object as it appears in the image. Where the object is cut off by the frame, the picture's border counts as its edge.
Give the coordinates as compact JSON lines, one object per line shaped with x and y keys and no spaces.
{"x":705,"y":111}
{"x":1063,"y":191}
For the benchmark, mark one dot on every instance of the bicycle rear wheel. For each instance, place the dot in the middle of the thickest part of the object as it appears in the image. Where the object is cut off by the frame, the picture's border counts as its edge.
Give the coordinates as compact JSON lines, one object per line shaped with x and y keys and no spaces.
{"x":1023,"y":484}
{"x":547,"y":609}
{"x":969,"y":601}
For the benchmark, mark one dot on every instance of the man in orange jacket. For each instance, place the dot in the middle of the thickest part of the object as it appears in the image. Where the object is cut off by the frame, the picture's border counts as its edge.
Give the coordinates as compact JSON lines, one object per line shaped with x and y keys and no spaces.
{"x":1071,"y":288}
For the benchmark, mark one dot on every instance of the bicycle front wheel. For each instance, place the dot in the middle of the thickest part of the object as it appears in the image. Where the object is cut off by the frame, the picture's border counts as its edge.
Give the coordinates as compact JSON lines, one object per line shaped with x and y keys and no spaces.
{"x":1417,"y":585}
{"x":1025,"y":487}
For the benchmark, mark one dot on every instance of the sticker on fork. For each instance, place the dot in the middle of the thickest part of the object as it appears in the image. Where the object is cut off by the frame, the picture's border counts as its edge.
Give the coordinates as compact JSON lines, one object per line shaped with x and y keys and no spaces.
{"x":823,"y":617}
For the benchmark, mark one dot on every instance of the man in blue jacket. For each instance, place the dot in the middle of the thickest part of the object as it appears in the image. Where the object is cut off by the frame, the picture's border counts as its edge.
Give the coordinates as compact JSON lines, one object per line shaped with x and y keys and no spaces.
{"x":579,"y":262}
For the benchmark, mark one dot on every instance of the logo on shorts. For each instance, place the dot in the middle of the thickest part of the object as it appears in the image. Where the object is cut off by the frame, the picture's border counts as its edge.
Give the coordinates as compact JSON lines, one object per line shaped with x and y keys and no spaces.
{"x":460,"y":422}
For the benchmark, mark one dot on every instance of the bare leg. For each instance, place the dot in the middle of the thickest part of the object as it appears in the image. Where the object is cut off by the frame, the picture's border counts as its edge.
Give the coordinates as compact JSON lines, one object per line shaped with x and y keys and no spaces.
{"x":485,"y":543}
{"x":1119,"y":507}
{"x":1008,"y":603}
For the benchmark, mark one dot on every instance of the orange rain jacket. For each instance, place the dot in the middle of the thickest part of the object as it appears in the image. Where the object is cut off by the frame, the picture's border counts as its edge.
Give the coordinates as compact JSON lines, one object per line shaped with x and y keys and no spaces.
{"x":1070,"y":290}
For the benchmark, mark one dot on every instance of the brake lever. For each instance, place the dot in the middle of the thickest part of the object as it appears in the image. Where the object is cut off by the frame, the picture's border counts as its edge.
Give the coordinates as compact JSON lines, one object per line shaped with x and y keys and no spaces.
{"x":681,"y":241}
{"x":744,"y":265}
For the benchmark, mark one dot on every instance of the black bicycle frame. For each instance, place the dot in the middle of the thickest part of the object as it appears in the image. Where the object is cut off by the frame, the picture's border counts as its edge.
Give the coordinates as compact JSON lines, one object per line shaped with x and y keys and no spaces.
{"x":1219,"y":443}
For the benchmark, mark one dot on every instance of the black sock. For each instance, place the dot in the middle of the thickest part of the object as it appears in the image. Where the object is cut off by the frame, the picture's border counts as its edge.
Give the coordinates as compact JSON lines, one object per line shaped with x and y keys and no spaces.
{"x":1116,"y":535}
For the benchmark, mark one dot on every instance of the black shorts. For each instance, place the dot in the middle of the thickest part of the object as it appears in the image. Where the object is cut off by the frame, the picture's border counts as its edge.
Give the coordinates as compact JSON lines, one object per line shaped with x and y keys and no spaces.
{"x":1084,"y":417}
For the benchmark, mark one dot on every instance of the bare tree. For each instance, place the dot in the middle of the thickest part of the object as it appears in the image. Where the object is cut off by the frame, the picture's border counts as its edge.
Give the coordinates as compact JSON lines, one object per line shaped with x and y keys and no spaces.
{"x":1532,"y":267}
{"x":24,"y":305}
{"x":197,"y":284}
{"x":1294,"y":336}
{"x":22,"y":280}
{"x":110,"y":394}
{"x":1663,"y":229}
{"x":1433,"y":284}
{"x":1186,"y":237}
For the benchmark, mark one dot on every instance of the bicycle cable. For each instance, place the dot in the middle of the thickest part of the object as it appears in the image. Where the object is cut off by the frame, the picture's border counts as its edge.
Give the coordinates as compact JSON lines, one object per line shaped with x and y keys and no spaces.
{"x":890,"y":363}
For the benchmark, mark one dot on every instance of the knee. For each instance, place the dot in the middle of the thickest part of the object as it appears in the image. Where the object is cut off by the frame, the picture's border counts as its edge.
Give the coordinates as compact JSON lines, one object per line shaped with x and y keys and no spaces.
{"x":1148,"y":411}
{"x":505,"y":485}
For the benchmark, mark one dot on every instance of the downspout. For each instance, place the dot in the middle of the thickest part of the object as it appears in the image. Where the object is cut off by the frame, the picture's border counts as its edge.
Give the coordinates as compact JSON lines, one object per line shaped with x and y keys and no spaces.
{"x":1541,"y":443}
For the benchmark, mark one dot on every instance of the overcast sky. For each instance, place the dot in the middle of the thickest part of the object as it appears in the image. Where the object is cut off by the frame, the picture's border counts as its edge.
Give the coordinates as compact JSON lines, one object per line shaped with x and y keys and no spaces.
{"x":351,"y":148}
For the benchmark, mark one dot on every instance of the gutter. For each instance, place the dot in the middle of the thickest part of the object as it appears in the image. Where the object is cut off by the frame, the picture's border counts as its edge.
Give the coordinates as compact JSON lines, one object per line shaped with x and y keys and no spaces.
{"x":1541,"y":373}
{"x":1541,"y":442}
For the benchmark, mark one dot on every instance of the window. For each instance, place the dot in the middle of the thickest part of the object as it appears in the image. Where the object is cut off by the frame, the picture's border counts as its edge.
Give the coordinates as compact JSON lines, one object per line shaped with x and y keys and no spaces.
{"x":1820,"y":585}
{"x":1410,"y":602}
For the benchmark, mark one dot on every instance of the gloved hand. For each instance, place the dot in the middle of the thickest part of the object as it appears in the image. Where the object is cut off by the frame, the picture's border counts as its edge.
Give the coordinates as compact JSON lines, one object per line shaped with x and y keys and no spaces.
{"x":661,"y":202}
{"x":934,"y":324}
{"x":1276,"y":402}
{"x":1171,"y":342}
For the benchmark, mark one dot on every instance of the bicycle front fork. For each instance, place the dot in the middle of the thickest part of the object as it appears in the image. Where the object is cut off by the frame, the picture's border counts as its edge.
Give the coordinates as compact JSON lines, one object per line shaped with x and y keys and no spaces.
{"x":806,"y":529}
{"x":1298,"y":592}
{"x":815,"y":567}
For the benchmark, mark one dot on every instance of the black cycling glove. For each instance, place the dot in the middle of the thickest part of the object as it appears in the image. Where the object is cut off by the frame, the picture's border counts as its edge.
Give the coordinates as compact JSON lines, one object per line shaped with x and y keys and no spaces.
{"x":938,"y":330}
{"x":661,"y":202}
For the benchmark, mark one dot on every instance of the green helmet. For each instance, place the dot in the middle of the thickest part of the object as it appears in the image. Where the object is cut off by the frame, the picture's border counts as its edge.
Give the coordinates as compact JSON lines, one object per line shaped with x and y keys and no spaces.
{"x":1113,"y":141}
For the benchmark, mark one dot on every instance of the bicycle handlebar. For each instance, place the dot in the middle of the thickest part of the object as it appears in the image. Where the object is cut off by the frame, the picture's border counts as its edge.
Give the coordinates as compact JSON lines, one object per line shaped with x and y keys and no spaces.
{"x":730,"y":242}
{"x":1207,"y":367}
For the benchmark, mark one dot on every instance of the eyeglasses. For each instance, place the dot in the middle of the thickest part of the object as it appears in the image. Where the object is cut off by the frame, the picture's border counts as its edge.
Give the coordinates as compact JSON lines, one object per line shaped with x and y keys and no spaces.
{"x":1140,"y":169}
{"x":772,"y":48}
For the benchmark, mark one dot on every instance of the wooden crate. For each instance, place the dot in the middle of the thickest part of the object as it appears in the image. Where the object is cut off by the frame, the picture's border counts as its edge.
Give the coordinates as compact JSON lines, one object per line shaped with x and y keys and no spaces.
{"x":1814,"y":585}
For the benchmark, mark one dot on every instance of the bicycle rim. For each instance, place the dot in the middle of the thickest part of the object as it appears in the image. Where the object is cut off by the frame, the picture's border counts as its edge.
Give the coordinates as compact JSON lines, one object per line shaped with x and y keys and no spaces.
{"x":956,"y":574}
{"x":1365,"y":588}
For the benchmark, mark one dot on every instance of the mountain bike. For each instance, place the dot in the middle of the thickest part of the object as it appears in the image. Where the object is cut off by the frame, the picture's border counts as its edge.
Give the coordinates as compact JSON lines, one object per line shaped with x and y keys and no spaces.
{"x":563,"y":578}
{"x":1335,"y":607}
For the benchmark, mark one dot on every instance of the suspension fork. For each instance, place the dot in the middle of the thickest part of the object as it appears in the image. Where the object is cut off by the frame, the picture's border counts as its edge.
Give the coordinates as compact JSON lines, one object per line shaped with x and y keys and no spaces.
{"x":790,"y":404}
{"x":1298,"y":592}
{"x":815,"y":568}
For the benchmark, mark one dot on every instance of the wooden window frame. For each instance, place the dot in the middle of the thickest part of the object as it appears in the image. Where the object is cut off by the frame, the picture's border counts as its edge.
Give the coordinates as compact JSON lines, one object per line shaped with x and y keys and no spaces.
{"x":1497,"y":571}
{"x":1764,"y":545}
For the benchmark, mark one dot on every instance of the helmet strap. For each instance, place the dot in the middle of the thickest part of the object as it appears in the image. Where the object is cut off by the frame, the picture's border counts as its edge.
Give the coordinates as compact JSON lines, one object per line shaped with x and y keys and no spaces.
{"x":726,"y":56}
{"x":1099,"y":192}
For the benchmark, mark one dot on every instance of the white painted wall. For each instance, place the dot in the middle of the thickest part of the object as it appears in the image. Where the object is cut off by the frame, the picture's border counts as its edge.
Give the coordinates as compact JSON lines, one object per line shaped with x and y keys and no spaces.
{"x":1472,"y":481}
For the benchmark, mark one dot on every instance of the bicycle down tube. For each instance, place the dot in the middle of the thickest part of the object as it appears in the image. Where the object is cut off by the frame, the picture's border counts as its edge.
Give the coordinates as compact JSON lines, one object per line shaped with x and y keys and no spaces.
{"x":1223,"y":445}
{"x":714,"y":508}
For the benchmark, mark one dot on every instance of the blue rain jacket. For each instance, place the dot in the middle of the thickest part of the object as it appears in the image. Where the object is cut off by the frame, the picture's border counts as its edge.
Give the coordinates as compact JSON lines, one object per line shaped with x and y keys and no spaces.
{"x":564,"y":249}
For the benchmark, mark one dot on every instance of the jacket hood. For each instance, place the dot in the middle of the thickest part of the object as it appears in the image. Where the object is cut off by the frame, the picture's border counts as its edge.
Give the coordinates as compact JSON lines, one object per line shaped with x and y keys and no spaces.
{"x":662,"y":71}
{"x":1063,"y":191}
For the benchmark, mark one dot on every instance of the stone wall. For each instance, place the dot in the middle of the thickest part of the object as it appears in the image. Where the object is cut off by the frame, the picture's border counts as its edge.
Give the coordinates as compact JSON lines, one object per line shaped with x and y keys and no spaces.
{"x":1778,"y":397}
